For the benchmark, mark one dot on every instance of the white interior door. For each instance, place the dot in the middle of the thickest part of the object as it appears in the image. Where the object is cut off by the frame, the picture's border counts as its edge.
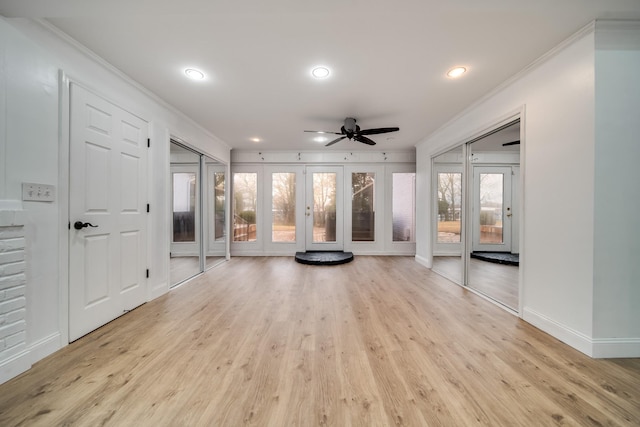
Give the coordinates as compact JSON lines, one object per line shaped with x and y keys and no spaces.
{"x":324,"y":209}
{"x":492,"y":208}
{"x":107,"y":208}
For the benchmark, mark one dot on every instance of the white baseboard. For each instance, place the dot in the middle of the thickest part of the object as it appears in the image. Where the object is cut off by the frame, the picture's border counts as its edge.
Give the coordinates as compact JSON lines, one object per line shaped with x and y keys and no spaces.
{"x":616,"y":347}
{"x":14,"y":366}
{"x":575,"y":339}
{"x":597,"y":348}
{"x":44,"y":347}
{"x":423,"y":261}
{"x":158,"y":291}
{"x":33,"y":353}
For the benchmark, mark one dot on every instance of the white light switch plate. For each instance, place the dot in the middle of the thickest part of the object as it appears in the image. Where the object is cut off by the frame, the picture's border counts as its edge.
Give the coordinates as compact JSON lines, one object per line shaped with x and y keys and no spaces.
{"x":38,"y":192}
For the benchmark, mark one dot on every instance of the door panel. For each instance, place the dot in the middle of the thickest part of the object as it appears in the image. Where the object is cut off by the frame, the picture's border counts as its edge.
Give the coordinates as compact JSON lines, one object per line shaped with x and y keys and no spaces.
{"x":107,"y":263}
{"x":324,"y":208}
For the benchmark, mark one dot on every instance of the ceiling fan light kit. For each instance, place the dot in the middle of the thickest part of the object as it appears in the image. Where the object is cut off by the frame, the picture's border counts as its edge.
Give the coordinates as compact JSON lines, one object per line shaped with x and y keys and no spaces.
{"x":353,"y":132}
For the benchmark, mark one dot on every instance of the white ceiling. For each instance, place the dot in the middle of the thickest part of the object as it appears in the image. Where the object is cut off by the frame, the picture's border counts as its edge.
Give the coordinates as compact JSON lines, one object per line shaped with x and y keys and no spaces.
{"x":388,"y":58}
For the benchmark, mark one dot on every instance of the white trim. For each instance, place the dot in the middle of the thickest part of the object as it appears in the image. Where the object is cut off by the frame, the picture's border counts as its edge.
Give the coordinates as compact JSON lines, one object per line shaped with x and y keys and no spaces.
{"x":64,"y":118}
{"x":615,"y":347}
{"x":575,"y":339}
{"x":325,"y":158}
{"x":617,"y":35}
{"x":596,"y":348}
{"x":45,"y":346}
{"x":14,"y":366}
{"x":426,"y":262}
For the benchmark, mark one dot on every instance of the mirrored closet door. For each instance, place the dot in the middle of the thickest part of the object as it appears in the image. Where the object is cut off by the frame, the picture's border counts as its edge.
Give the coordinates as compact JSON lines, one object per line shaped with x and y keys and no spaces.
{"x":475,"y":198}
{"x":198,"y":223}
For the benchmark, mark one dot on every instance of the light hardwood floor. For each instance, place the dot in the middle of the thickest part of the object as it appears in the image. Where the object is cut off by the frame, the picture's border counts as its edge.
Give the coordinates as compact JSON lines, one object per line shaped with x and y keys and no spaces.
{"x":497,"y":281}
{"x":381,"y":341}
{"x":184,"y":267}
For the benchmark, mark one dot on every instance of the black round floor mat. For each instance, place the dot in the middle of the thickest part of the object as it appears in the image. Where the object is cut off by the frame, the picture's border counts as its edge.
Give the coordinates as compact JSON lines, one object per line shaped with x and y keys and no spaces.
{"x":324,"y":257}
{"x":497,"y":257}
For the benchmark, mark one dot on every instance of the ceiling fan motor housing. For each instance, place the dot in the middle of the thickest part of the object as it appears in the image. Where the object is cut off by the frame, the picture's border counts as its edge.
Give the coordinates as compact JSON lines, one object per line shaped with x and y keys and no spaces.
{"x":350,"y":124}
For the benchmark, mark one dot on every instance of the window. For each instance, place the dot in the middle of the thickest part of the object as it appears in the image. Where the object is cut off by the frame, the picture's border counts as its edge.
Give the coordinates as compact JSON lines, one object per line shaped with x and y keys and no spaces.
{"x":362,"y":207}
{"x":403,"y":206}
{"x":245,"y":200}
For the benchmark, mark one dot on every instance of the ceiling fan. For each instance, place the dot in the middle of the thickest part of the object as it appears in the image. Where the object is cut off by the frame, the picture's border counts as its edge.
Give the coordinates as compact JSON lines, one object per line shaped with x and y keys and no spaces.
{"x":506,"y":144}
{"x":352,"y":131}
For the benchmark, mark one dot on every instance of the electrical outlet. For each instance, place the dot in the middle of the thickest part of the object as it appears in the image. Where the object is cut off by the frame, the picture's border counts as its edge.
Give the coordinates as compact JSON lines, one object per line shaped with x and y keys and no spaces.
{"x":38,"y":192}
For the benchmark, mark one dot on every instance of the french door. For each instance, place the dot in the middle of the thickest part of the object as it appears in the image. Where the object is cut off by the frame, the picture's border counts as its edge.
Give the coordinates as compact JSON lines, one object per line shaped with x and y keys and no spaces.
{"x":324,"y":208}
{"x":492,"y":209}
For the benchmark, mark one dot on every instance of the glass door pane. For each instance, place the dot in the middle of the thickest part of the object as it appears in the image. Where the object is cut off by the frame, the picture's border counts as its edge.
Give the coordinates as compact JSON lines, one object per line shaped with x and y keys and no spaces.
{"x":403,"y":206}
{"x":184,"y":207}
{"x":492,"y":209}
{"x":283,"y":207}
{"x":324,"y":209}
{"x":363,"y":207}
{"x":491,"y":202}
{"x":449,"y":189}
{"x":245,"y":201}
{"x":214,"y":212}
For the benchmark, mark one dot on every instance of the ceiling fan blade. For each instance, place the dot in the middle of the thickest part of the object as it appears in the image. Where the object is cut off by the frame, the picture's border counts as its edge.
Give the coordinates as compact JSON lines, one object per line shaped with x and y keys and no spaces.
{"x":364,"y":140}
{"x":377,"y":131}
{"x":335,"y":140}
{"x":322,"y":131}
{"x":506,"y":144}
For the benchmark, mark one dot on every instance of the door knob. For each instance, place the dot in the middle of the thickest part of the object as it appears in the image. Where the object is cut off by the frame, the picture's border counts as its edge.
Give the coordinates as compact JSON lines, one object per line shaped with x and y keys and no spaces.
{"x":79,"y":225}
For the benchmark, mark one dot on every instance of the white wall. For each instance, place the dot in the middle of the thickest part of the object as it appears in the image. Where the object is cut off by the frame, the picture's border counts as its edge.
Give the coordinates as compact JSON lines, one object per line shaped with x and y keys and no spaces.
{"x":32,"y":107}
{"x":617,"y":189}
{"x":556,"y":100}
{"x":579,"y":108}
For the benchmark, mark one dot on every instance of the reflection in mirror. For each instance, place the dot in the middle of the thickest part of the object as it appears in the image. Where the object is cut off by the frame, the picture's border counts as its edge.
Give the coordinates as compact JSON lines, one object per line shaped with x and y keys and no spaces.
{"x":494,"y":249}
{"x":214,"y":212}
{"x":185,"y":215}
{"x":447,"y":199}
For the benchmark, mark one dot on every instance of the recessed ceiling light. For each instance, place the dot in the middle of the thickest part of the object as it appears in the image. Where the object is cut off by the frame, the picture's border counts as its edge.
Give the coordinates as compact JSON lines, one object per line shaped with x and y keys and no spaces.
{"x":320,"y":139}
{"x":194,"y":74}
{"x":456,"y":72}
{"x":256,"y":139}
{"x":320,"y":72}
